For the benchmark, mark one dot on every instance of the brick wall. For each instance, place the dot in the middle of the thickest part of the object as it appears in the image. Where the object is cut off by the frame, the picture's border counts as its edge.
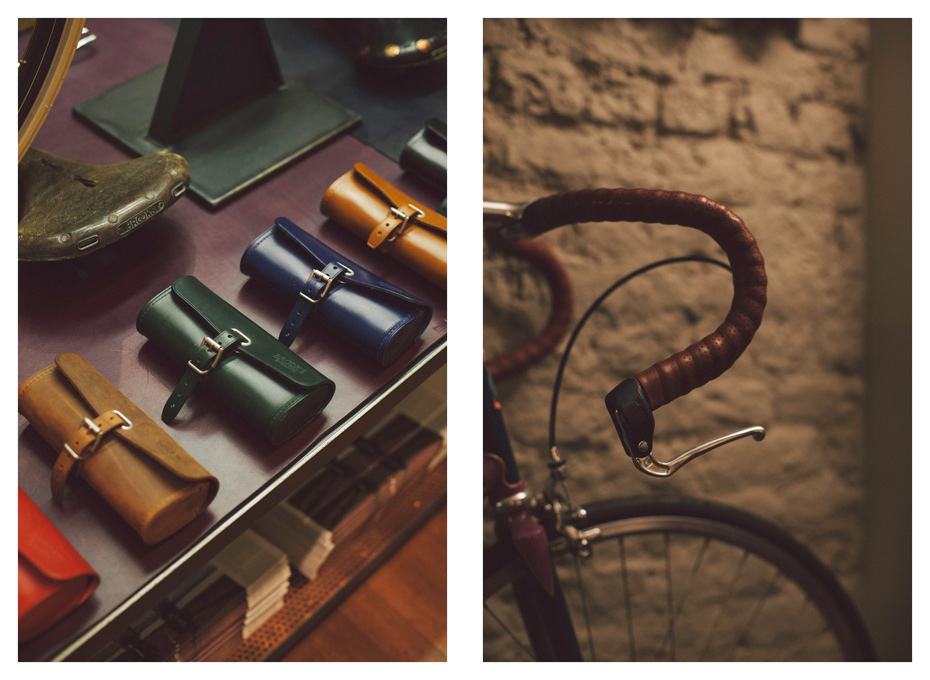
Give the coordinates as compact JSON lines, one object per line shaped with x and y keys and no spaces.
{"x":764,"y":116}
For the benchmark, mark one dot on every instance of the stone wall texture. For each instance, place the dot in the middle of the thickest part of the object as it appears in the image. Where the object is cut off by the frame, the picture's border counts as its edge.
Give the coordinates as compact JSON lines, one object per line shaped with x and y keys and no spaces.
{"x":766,"y":117}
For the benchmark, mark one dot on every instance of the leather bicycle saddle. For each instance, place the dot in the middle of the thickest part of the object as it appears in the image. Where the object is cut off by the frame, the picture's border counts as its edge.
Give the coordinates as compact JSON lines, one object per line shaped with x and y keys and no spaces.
{"x":393,"y":44}
{"x":68,"y":209}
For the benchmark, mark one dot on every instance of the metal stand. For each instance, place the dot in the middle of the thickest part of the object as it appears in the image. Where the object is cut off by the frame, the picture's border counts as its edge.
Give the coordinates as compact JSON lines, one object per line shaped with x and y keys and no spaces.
{"x":222,"y":103}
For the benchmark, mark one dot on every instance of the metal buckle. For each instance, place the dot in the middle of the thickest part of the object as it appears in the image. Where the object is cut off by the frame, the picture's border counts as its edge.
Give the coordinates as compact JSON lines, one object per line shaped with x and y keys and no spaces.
{"x":92,"y":426}
{"x":219,"y":349}
{"x":216,"y":347}
{"x":405,"y":218}
{"x":317,"y":274}
{"x":98,"y":435}
{"x":247,"y":340}
{"x":128,"y":425}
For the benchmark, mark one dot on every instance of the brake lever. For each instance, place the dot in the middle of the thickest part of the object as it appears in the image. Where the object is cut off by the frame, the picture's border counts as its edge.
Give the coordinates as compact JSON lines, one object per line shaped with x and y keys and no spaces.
{"x":654,"y":468}
{"x":631,"y":413}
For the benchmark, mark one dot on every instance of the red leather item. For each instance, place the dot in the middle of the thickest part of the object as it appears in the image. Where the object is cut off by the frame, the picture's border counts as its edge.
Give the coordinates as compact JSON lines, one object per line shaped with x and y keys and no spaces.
{"x":53,"y":577}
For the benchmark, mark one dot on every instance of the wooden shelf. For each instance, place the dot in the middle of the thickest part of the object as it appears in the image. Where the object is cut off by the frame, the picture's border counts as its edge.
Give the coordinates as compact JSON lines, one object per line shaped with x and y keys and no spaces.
{"x":309,"y":603}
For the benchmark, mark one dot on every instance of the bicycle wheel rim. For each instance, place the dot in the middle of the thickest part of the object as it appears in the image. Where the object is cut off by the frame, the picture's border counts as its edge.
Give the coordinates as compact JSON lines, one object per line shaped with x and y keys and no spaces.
{"x":804,"y":576}
{"x":42,"y":71}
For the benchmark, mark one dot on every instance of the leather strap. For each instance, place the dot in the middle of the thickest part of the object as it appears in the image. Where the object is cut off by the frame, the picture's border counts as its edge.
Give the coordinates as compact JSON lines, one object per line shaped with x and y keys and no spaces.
{"x":202,"y":303}
{"x":393,"y":225}
{"x":145,"y":436}
{"x":314,"y":290}
{"x":206,"y":358}
{"x":82,"y":444}
{"x":401,"y":211}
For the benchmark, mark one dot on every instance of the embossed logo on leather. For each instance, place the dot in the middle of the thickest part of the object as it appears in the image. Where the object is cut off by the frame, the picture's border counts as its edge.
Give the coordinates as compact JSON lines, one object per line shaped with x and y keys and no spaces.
{"x":167,"y":449}
{"x":141,"y":217}
{"x":290,"y":364}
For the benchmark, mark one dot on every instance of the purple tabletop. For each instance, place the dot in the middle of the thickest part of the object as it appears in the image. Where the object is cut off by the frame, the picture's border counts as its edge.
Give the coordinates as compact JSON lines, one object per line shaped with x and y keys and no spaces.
{"x":89,"y":306}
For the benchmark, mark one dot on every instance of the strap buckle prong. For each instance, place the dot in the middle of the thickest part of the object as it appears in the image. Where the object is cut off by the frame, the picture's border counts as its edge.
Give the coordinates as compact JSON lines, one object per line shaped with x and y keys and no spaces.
{"x":325,"y":278}
{"x":219,"y":349}
{"x":216,"y":347}
{"x":405,"y":219}
{"x":98,"y":435}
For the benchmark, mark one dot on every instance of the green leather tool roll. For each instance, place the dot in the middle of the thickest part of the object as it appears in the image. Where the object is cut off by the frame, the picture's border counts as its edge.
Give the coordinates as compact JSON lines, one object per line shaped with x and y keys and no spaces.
{"x":263,"y":381}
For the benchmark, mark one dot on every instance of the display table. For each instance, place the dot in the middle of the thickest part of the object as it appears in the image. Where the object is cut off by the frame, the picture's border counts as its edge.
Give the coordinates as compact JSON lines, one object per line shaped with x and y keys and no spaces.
{"x":89,"y":306}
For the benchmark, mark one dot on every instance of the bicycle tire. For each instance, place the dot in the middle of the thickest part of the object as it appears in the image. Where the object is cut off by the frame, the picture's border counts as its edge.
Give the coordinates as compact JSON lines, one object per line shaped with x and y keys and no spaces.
{"x":42,"y":70}
{"x":712,"y":542}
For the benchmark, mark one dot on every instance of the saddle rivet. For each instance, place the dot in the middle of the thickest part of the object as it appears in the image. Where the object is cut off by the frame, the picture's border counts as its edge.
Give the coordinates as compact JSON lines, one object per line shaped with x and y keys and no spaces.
{"x":112,"y":219}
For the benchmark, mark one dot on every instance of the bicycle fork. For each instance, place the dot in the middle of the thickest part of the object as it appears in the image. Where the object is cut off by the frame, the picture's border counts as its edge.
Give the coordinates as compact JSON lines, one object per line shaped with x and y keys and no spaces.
{"x":538,"y":592}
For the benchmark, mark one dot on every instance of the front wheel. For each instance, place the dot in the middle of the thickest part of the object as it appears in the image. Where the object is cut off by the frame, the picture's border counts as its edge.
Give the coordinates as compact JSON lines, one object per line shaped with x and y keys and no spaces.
{"x":675,"y":579}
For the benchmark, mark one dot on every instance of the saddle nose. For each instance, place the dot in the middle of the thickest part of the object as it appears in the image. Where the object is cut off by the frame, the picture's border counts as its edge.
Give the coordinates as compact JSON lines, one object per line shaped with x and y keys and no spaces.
{"x":68,"y":208}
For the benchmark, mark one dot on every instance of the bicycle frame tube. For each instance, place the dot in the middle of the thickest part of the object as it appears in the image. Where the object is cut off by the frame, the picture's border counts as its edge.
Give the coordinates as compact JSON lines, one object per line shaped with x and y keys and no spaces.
{"x":546,"y":616}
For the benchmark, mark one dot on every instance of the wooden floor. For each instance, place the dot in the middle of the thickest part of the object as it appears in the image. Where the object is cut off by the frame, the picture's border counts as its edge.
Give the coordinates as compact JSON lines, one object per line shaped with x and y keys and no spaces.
{"x":397,"y":614}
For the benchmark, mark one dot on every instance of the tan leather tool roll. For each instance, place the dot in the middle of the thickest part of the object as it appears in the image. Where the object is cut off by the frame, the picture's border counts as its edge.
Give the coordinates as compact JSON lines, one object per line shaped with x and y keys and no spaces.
{"x":102,"y":437}
{"x":389,"y":220}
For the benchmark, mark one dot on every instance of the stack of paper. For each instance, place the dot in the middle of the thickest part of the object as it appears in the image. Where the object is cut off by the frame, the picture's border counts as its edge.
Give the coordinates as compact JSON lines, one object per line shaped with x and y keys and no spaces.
{"x":359,"y":484}
{"x":305,"y":542}
{"x":262,"y":569}
{"x":201,"y":620}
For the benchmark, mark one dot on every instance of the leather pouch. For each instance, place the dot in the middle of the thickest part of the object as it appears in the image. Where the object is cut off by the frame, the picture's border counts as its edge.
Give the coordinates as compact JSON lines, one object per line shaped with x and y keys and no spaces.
{"x":338,"y":295}
{"x":106,"y":440}
{"x":425,"y":154}
{"x":54,"y":579}
{"x":254,"y":374}
{"x":389,"y":220}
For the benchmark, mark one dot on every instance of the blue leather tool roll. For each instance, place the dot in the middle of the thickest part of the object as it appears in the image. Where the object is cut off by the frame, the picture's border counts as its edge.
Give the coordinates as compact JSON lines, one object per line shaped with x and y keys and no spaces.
{"x":333,"y":294}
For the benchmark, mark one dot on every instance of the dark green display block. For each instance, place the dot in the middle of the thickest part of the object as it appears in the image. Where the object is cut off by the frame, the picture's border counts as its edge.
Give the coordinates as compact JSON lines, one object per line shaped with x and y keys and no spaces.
{"x":232,"y":153}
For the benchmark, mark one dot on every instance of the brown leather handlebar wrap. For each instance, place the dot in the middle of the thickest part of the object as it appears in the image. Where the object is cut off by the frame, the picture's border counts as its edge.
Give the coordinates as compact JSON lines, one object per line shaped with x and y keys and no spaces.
{"x":562,"y":305}
{"x":708,"y":358}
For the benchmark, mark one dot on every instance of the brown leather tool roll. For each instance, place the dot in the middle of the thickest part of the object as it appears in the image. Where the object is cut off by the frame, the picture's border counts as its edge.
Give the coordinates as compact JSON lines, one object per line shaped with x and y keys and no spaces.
{"x":389,"y":220}
{"x":105,"y":439}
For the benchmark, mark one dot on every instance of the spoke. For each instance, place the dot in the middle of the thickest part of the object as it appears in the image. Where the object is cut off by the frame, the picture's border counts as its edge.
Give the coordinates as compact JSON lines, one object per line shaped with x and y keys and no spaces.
{"x":689,"y":584}
{"x":510,"y":632}
{"x":584,"y":607}
{"x":797,"y":617}
{"x":806,"y":603}
{"x":742,"y":639}
{"x":669,"y":600}
{"x":626,"y":599}
{"x":726,"y":603}
{"x":729,"y":596}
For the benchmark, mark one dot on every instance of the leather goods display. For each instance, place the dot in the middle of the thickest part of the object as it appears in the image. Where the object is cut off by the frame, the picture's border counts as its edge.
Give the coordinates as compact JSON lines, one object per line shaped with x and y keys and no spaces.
{"x":69,"y":209}
{"x":253,"y":373}
{"x":334,"y":294}
{"x":425,"y":154}
{"x":389,"y":220}
{"x":106,"y":440}
{"x":54,"y":579}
